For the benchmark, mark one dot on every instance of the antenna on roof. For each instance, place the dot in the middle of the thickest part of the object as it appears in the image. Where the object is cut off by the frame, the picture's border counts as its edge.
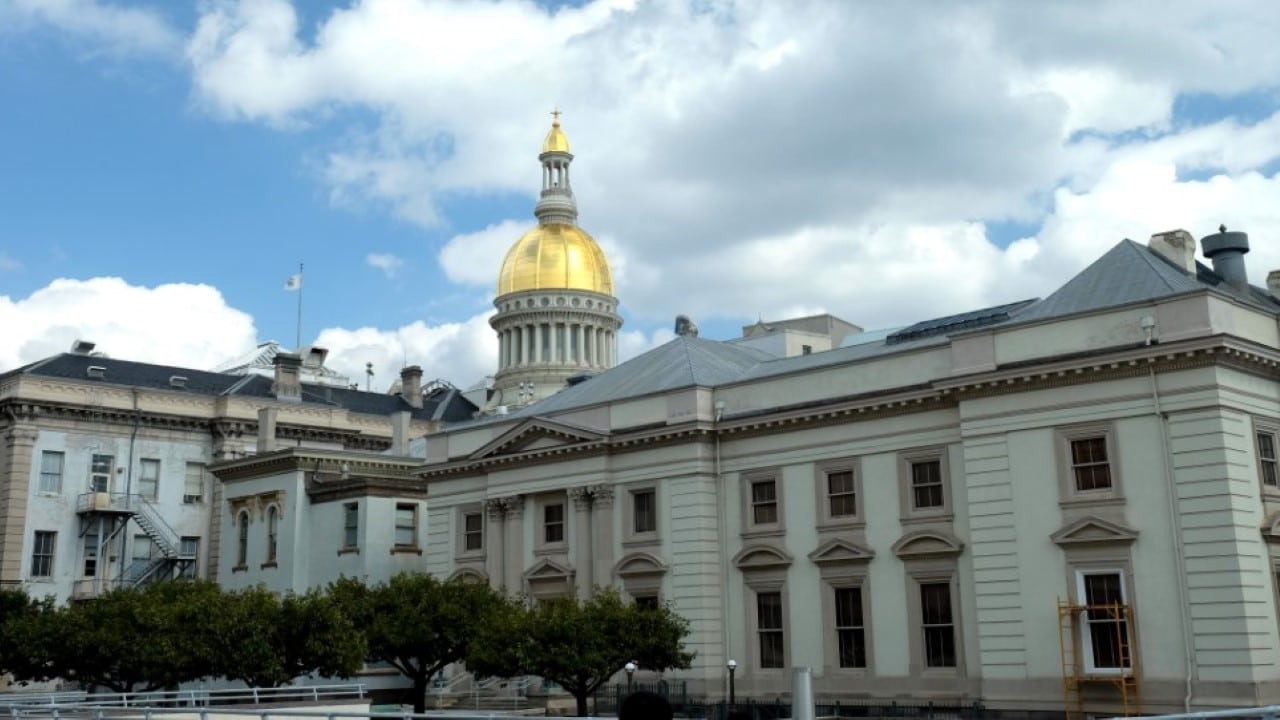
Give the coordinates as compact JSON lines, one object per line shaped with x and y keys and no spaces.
{"x":368,"y":375}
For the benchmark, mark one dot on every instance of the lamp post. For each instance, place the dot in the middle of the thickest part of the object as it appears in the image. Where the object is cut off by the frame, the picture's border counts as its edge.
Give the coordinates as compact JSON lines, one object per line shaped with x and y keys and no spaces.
{"x":630,"y":668}
{"x":732,"y":665}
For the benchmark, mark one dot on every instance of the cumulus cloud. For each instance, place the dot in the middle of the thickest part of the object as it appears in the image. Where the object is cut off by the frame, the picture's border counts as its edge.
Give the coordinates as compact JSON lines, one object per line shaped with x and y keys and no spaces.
{"x":388,"y":263}
{"x":109,"y":27}
{"x":474,"y":258}
{"x":176,"y":324}
{"x":461,"y":352}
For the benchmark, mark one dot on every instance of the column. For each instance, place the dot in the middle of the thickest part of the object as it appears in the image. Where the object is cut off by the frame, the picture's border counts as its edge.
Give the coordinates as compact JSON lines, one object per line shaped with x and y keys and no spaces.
{"x":582,"y":344}
{"x":555,"y":341}
{"x":583,"y":540}
{"x":495,"y":511}
{"x":537,"y":343}
{"x":502,"y":349}
{"x":15,"y":487}
{"x":528,"y":344}
{"x":602,"y":533}
{"x":513,"y":546}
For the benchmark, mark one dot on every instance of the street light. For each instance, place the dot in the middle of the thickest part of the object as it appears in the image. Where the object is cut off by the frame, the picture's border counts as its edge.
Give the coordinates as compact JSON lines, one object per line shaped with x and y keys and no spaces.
{"x":630,"y":668}
{"x":732,"y":665}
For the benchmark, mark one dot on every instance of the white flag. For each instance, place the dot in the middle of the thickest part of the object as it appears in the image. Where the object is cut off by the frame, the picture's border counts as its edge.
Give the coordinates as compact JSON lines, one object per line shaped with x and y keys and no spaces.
{"x":294,"y":282}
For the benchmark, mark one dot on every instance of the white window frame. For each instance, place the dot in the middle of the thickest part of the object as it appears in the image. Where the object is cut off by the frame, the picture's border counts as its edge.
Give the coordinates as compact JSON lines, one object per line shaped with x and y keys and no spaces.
{"x":1086,"y":625}
{"x":48,"y":555}
{"x":396,"y":545}
{"x":143,"y":464}
{"x":96,"y":474}
{"x":188,"y":496}
{"x":242,"y":540}
{"x":48,"y":478}
{"x":350,"y":527}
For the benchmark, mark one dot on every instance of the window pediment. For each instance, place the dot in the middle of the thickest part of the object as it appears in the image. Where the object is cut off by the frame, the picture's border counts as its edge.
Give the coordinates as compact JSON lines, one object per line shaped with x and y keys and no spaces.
{"x":927,"y":544}
{"x":1094,"y":530}
{"x":469,"y":575}
{"x":548,"y":570}
{"x":640,"y":564}
{"x":841,"y":552}
{"x":537,"y":434}
{"x":1271,"y":530}
{"x":761,"y":557}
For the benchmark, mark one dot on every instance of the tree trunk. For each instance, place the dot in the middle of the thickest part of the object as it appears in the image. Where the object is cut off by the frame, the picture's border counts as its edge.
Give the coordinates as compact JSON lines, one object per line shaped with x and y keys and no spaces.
{"x":420,"y":694}
{"x":581,"y":697}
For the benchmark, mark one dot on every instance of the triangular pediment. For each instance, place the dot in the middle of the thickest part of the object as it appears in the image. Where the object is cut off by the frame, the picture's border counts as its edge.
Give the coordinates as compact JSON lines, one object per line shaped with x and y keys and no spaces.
{"x":469,"y":575}
{"x":537,"y":434}
{"x":548,"y":570}
{"x":640,"y":564}
{"x":839,"y":552}
{"x":761,"y":557}
{"x":1094,"y":530}
{"x":927,"y":544}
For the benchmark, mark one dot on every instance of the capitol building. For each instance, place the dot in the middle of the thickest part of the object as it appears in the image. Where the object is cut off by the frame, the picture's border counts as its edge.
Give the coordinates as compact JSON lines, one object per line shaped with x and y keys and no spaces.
{"x":1068,"y":501}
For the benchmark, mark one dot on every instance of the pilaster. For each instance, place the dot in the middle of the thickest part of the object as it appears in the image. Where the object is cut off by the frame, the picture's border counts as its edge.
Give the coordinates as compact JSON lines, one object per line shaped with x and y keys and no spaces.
{"x":495,"y":513}
{"x":15,"y":488}
{"x":513,"y":544}
{"x":583,"y":541}
{"x":602,"y":527}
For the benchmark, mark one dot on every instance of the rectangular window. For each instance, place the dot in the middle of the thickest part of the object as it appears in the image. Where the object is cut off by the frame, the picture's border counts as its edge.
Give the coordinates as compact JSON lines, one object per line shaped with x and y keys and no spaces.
{"x":242,"y":539}
{"x":1105,"y":621}
{"x":841,"y":496}
{"x":926,"y":485}
{"x":406,"y":526}
{"x":553,"y":523}
{"x":143,"y":548}
{"x":1089,"y":464}
{"x":764,"y":502}
{"x":189,"y":554}
{"x":350,"y":526}
{"x":644,"y":511}
{"x":647,"y":602}
{"x":149,"y":479}
{"x":100,"y":473}
{"x":472,"y":531}
{"x":91,"y":555}
{"x":51,"y":471}
{"x":1267,"y":460}
{"x":938,"y":625}
{"x":851,"y":635}
{"x":769,"y":628}
{"x":42,"y":549}
{"x":193,"y":484}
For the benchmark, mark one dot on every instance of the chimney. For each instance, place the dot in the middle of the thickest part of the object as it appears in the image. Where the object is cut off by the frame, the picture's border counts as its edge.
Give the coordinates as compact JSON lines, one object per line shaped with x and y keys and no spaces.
{"x":1226,"y":250}
{"x":1273,"y":283}
{"x":411,"y":385}
{"x":1178,"y":247}
{"x":287,"y":385}
{"x":400,"y":433}
{"x":266,"y":429}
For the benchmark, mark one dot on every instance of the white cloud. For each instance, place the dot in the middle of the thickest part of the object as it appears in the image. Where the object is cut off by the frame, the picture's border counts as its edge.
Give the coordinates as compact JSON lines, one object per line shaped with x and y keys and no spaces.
{"x":177,"y":324}
{"x":461,"y":352}
{"x":107,"y":26}
{"x":388,"y":263}
{"x":475,"y":258}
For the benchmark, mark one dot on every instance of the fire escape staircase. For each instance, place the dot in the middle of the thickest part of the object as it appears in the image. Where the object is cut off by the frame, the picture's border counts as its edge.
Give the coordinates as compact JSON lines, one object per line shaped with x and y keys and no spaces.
{"x":167,"y":559}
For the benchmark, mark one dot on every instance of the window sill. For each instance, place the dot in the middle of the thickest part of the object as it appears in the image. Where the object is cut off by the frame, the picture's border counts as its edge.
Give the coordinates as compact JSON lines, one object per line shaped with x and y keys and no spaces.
{"x":552,"y":549}
{"x":406,"y":550}
{"x":1102,"y":500}
{"x":40,"y":579}
{"x":764,"y":533}
{"x":919,"y":518}
{"x":268,"y":565}
{"x":642,"y":540}
{"x":470,"y":555}
{"x":855,"y":523}
{"x":349,"y":551}
{"x":240,"y":568}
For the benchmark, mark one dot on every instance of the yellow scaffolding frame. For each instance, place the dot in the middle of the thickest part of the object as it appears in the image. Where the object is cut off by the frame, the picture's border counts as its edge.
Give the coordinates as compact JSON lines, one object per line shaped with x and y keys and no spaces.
{"x":1075,"y":676}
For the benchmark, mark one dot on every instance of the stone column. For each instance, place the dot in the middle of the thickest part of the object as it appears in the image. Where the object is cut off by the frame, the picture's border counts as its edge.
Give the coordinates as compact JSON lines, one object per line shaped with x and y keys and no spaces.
{"x":15,"y":487}
{"x":537,"y":342}
{"x":602,"y":533}
{"x":494,"y":511}
{"x":582,"y":540}
{"x":513,"y":545}
{"x":555,"y":342}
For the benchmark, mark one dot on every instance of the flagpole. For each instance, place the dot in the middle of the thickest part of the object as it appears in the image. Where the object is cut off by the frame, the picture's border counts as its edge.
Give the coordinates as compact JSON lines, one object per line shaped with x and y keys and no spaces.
{"x":297,"y":344}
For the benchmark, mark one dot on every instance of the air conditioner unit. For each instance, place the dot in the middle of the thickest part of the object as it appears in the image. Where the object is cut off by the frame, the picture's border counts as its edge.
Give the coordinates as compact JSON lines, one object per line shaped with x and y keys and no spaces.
{"x":190,"y":499}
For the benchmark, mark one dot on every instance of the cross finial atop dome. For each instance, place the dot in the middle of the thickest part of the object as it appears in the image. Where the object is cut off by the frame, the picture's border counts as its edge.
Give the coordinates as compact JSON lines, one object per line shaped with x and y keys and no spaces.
{"x":556,"y":141}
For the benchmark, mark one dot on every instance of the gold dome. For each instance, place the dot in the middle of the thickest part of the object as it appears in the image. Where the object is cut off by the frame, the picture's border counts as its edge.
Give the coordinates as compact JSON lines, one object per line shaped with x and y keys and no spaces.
{"x":556,"y":141}
{"x":555,"y":257}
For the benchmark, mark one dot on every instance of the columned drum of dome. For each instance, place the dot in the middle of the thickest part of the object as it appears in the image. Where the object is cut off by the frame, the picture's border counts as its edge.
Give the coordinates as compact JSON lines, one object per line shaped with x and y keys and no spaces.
{"x":557,"y":317}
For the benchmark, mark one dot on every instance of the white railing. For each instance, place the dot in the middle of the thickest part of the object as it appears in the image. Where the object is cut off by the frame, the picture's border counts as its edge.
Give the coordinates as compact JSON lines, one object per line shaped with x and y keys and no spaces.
{"x":1269,"y":712}
{"x":180,"y":698}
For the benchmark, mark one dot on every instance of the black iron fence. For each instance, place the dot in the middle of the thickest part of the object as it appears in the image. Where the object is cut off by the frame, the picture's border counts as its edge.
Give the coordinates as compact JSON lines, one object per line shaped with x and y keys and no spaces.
{"x":610,"y":697}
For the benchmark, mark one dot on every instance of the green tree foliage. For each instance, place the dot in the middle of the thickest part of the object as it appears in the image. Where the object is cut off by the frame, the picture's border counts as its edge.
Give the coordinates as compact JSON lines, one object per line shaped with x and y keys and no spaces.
{"x":269,"y":640}
{"x":417,"y":623}
{"x":24,"y":650}
{"x":580,"y":644}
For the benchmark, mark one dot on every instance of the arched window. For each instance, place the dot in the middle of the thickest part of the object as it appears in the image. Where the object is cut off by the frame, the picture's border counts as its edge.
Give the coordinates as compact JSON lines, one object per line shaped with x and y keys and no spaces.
{"x":242,"y":548}
{"x":273,"y":526}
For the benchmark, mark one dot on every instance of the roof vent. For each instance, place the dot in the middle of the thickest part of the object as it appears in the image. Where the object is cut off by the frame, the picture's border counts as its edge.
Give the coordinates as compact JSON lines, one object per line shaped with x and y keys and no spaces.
{"x":97,"y":372}
{"x":82,"y":347}
{"x":500,"y":410}
{"x":1226,"y":250}
{"x":177,"y":381}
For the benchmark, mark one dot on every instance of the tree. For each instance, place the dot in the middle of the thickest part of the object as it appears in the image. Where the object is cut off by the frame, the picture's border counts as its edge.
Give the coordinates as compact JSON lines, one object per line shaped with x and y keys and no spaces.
{"x":270,"y":640}
{"x":580,"y":644}
{"x":417,"y":623}
{"x":24,"y":652}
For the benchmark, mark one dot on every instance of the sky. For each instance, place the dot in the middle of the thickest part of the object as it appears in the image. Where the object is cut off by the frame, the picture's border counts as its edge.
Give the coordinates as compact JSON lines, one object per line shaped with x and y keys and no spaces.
{"x":165,"y":167}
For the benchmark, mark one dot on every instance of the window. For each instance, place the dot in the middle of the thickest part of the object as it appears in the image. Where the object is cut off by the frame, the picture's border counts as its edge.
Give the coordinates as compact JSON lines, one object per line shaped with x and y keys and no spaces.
{"x":350,"y":526}
{"x":149,"y":479}
{"x":406,"y":526}
{"x":91,"y":554}
{"x":1089,"y":464}
{"x":769,"y":629}
{"x":851,"y":638}
{"x":938,"y":625}
{"x":553,"y":523}
{"x":647,"y":602}
{"x":42,"y":549}
{"x":806,"y":349}
{"x":273,"y":533}
{"x":1104,"y":620}
{"x":764,"y":502}
{"x":242,"y":539}
{"x":100,"y":473}
{"x":842,"y":498}
{"x":143,"y":550}
{"x":644,"y":511}
{"x":193,"y":485}
{"x":51,"y":471}
{"x":926,"y":485}
{"x":189,"y":553}
{"x":1267,"y":460}
{"x":472,"y":531}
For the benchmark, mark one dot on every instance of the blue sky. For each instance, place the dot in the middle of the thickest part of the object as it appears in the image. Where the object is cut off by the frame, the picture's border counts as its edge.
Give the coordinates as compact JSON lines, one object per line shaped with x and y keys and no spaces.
{"x":167,"y":165}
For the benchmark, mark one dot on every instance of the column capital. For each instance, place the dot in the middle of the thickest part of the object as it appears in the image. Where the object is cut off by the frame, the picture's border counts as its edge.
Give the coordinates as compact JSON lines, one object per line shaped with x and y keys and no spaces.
{"x":21,"y":435}
{"x":601,"y":495}
{"x":582,"y":498}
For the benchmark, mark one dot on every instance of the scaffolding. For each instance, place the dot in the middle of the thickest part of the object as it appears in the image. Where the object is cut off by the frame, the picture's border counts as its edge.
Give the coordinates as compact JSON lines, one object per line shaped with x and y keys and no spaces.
{"x":1121,"y":673}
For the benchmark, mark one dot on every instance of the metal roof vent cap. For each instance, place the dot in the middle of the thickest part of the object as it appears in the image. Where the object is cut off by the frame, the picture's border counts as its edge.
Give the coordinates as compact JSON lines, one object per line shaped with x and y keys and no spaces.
{"x":177,"y":381}
{"x":97,"y":372}
{"x":1226,"y":250}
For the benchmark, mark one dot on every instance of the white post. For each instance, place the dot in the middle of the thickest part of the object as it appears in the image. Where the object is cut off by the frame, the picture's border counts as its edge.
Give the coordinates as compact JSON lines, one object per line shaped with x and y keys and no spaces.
{"x":802,"y":707}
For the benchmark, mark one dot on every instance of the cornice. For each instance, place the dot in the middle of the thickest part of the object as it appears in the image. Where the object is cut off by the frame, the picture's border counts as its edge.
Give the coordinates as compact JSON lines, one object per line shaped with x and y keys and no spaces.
{"x":315,"y":462}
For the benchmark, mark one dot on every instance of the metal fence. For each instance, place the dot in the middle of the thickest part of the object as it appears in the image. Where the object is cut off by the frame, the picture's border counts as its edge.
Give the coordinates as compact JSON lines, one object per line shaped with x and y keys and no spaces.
{"x":610,"y":698}
{"x":1269,"y":712}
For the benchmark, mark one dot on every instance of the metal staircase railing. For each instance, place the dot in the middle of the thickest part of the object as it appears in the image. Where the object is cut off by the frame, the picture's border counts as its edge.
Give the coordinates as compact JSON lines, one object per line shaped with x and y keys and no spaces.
{"x":164,"y":536}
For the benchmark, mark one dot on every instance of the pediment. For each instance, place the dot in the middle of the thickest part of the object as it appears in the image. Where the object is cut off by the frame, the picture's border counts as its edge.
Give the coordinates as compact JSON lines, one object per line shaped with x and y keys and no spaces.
{"x":640,"y":564}
{"x":927,"y":544}
{"x":548,"y":570}
{"x":536,"y":434}
{"x":469,"y":575}
{"x":761,"y":557}
{"x":840,"y":552}
{"x":1094,"y":530}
